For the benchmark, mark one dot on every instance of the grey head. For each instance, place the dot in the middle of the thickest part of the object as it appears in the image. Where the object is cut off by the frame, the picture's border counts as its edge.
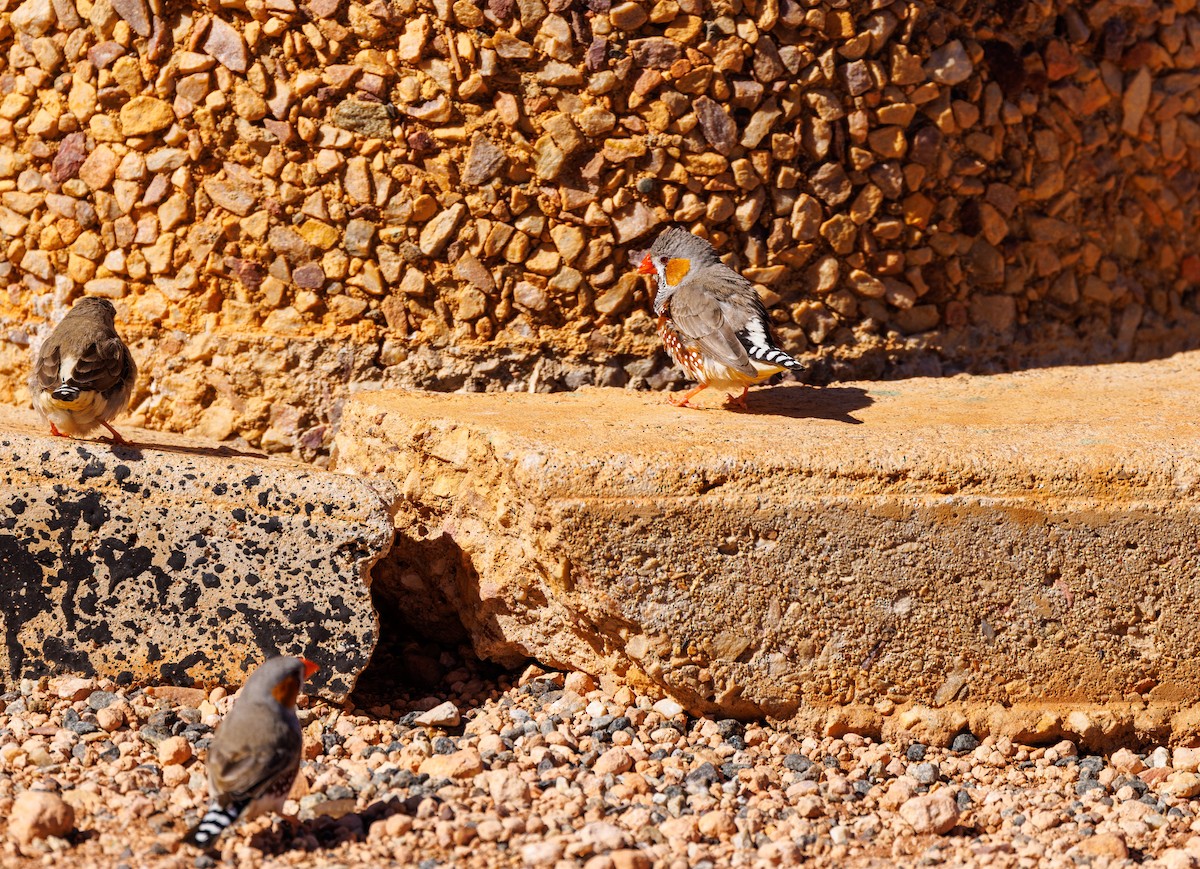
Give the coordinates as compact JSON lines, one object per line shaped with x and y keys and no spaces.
{"x":278,"y":679}
{"x":93,"y":306}
{"x":676,"y":243}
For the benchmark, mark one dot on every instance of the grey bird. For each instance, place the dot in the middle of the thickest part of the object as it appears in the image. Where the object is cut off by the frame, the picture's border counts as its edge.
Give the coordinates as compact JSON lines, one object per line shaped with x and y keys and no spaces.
{"x":84,"y":373}
{"x":255,"y":754}
{"x":710,"y":318}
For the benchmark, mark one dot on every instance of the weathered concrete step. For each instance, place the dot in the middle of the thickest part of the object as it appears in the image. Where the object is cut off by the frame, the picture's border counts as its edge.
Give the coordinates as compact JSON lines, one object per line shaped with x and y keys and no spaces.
{"x":174,"y":561}
{"x":1001,"y":552}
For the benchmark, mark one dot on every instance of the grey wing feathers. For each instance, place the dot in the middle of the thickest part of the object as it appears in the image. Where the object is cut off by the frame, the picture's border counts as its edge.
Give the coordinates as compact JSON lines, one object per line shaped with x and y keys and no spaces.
{"x":244,"y":772}
{"x":706,"y":320}
{"x":102,"y":366}
{"x":46,"y":374}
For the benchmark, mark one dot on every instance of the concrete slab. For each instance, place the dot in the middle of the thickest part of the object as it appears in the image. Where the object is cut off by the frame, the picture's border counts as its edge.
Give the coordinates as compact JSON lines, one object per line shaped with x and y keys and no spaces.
{"x":1015,"y":554}
{"x":177,"y":561}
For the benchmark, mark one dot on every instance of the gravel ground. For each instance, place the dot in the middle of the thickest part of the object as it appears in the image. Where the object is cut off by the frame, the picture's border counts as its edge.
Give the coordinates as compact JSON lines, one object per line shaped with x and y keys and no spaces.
{"x":546,"y":770}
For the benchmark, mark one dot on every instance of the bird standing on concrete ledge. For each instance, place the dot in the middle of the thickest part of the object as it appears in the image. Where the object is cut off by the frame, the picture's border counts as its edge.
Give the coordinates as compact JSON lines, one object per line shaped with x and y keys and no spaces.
{"x":84,"y":373}
{"x":710,"y":318}
{"x":255,"y":753}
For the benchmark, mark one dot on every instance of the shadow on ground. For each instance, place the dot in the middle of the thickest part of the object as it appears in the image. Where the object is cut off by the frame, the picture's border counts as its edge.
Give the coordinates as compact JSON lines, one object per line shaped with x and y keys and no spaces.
{"x":835,"y":403}
{"x":132,"y":451}
{"x":325,"y":832}
{"x":417,"y":665}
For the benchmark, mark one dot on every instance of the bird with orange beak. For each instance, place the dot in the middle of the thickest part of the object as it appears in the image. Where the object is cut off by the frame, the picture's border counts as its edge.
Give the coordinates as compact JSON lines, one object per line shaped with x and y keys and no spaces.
{"x":255,"y":753}
{"x":710,"y":318}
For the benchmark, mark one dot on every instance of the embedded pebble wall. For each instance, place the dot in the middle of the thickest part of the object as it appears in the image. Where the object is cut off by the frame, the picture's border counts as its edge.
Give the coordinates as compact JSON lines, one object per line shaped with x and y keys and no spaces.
{"x":291,"y":200}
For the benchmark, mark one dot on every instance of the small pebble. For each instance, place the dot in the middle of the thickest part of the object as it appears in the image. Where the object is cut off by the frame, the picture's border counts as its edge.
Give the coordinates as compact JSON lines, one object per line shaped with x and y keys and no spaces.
{"x":964,"y":742}
{"x":924,"y":773}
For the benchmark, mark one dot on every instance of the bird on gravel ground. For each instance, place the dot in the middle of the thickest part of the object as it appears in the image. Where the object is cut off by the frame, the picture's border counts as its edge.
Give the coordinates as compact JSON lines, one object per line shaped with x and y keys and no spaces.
{"x":84,"y":373}
{"x":710,"y":318}
{"x":255,"y":753}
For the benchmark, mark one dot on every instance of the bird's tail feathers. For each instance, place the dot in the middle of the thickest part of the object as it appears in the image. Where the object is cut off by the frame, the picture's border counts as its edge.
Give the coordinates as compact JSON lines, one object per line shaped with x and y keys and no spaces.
{"x":773,"y":356}
{"x":66,"y":393}
{"x":215,"y":822}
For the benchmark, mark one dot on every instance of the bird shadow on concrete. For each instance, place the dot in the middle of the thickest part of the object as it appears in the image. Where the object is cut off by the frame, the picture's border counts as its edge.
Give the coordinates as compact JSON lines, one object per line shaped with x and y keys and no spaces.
{"x":835,"y":403}
{"x":133,"y":451}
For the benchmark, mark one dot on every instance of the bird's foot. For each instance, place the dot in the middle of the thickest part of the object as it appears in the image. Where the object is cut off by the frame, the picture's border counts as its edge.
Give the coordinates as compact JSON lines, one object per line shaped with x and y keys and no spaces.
{"x":737,"y":401}
{"x":116,"y":439}
{"x":55,"y":432}
{"x":687,"y":396}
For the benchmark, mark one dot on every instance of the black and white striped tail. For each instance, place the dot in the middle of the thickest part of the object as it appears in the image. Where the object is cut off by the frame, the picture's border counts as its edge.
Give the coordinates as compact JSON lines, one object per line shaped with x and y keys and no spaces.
{"x":772,"y":356}
{"x":215,"y":822}
{"x":66,"y":393}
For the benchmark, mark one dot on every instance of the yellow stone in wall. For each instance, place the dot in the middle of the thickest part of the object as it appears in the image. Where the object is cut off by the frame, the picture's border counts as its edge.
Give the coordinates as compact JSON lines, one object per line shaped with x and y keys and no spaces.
{"x":318,"y":234}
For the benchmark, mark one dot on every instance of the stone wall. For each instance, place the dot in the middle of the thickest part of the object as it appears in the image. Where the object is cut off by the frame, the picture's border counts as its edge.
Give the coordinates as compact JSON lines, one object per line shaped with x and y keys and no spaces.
{"x":293,"y":200}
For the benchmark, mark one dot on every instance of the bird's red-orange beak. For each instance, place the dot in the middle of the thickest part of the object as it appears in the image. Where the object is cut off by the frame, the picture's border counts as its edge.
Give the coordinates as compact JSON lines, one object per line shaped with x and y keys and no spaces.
{"x":647,"y":266}
{"x":309,"y":668}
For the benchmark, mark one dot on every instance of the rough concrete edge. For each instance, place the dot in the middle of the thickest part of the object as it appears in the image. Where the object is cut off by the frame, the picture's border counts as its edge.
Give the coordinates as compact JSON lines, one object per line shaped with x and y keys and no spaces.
{"x":1133,"y":470}
{"x":471,"y":520}
{"x":383,"y":491}
{"x":477,"y":526}
{"x":466,"y":517}
{"x":385,"y":494}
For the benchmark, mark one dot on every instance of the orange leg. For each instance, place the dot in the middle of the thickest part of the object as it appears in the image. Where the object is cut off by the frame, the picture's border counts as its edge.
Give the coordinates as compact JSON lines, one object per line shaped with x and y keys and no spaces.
{"x":737,"y":401}
{"x":116,"y":435}
{"x":683,"y":402}
{"x":54,"y":431}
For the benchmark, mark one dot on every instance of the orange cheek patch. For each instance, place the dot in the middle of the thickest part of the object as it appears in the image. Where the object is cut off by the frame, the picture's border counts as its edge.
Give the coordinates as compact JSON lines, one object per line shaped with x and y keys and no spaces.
{"x":677,"y":270}
{"x":286,"y":692}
